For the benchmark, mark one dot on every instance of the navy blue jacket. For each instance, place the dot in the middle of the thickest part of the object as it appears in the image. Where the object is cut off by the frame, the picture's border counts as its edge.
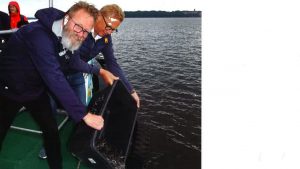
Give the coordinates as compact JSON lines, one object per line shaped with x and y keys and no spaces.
{"x":30,"y":65}
{"x":89,"y":49}
{"x":4,"y":21}
{"x":4,"y":24}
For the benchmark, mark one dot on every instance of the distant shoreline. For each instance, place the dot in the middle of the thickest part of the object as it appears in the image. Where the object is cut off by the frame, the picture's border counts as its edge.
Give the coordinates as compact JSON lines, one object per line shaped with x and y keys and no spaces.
{"x":157,"y":14}
{"x":161,"y":14}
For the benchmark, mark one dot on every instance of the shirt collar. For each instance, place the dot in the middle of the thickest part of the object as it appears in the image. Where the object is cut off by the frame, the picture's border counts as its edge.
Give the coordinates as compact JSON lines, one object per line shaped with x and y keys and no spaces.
{"x":96,"y":36}
{"x":57,"y":27}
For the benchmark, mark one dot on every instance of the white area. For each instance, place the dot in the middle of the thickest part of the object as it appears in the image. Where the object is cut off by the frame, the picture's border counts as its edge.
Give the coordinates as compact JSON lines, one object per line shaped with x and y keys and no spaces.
{"x":251,"y":84}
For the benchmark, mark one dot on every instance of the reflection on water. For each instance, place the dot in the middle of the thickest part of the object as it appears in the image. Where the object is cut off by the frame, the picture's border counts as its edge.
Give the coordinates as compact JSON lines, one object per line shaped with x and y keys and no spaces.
{"x":162,"y":59}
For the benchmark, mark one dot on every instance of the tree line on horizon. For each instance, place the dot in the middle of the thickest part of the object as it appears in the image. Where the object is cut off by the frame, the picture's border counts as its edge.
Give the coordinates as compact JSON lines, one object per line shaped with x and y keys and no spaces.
{"x":156,"y":14}
{"x":150,"y":14}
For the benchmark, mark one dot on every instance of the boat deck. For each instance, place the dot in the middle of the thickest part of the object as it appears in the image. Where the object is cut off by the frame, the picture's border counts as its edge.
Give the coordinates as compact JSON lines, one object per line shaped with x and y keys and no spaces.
{"x":20,"y":148}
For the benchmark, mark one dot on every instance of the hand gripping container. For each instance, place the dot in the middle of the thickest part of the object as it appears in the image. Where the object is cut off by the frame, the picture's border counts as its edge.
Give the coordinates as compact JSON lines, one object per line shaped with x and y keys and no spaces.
{"x":106,"y":148}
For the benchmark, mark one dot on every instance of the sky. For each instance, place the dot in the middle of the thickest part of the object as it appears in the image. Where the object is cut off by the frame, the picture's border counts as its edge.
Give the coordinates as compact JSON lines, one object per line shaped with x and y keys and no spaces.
{"x":29,"y":7}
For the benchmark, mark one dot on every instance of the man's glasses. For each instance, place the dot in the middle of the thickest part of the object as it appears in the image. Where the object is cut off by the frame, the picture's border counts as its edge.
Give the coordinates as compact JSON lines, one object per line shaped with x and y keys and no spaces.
{"x":108,"y":27}
{"x":78,"y":29}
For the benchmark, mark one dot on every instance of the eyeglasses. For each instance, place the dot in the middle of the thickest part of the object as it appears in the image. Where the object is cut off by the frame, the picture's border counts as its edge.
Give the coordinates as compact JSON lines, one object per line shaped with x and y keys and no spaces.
{"x":78,"y":28}
{"x":108,"y":27}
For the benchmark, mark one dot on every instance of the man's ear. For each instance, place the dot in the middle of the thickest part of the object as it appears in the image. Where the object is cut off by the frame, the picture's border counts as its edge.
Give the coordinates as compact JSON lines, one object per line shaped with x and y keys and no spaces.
{"x":66,"y":19}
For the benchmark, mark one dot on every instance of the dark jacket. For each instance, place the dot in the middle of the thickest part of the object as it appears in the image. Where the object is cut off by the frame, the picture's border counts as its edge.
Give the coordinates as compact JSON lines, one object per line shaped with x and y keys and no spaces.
{"x":89,"y":49}
{"x":4,"y":24}
{"x":4,"y":21}
{"x":75,"y":64}
{"x":30,"y":65}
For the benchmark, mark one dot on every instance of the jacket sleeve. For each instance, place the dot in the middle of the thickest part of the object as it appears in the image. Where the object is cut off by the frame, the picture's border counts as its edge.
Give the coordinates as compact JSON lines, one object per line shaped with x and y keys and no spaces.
{"x":89,"y":50}
{"x":112,"y":64}
{"x":43,"y":54}
{"x":81,"y":66}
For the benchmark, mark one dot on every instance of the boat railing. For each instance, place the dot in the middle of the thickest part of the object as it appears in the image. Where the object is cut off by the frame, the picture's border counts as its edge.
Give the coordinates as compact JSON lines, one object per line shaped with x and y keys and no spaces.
{"x":30,"y":19}
{"x":8,"y":31}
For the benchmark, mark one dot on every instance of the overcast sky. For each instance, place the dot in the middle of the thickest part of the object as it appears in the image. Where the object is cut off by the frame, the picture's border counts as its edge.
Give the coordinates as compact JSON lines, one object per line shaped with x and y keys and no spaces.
{"x":29,"y":7}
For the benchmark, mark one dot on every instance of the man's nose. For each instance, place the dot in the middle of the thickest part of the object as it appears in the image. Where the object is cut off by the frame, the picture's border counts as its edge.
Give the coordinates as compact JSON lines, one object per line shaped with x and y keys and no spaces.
{"x":109,"y":32}
{"x":81,"y":35}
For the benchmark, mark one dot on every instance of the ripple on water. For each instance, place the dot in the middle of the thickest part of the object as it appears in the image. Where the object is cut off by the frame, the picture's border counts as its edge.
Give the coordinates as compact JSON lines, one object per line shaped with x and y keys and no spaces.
{"x":163,"y":63}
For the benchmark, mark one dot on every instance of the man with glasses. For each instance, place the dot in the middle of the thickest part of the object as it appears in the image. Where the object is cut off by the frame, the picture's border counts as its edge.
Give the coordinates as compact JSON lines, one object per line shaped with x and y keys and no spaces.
{"x":109,"y":19}
{"x":100,"y":41}
{"x":30,"y":69}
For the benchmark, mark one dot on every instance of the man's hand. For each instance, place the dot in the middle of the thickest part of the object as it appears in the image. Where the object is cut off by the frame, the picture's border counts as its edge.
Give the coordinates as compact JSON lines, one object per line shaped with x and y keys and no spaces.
{"x":107,"y":76}
{"x":94,"y":121}
{"x":136,"y":98}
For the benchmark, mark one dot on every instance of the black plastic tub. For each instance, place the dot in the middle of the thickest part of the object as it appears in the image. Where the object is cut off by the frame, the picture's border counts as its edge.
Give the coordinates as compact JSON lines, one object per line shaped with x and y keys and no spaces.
{"x":107,"y":148}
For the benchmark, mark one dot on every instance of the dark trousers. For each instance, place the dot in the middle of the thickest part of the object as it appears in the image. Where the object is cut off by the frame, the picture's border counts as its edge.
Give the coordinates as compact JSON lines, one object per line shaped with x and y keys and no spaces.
{"x":40,"y":109}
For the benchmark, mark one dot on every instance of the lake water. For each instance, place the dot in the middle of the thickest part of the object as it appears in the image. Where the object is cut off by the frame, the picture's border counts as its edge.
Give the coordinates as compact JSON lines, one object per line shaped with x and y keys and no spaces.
{"x":162,"y":59}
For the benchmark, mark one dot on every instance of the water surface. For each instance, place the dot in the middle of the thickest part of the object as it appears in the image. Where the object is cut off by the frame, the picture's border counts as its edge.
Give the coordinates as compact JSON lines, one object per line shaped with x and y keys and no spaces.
{"x":162,"y":59}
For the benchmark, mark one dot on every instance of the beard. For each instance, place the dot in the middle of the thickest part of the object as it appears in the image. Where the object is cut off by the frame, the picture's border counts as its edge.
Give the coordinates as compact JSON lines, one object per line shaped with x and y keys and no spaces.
{"x":70,"y":40}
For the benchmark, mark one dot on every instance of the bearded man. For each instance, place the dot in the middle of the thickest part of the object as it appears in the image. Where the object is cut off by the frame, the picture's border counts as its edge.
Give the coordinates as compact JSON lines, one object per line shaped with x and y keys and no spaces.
{"x":31,"y":69}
